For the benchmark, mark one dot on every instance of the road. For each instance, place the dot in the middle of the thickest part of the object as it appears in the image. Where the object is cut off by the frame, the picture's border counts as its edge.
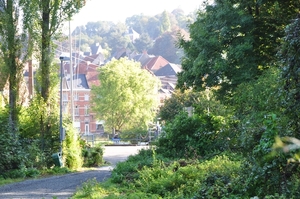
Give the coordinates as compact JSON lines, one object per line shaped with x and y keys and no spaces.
{"x":62,"y":187}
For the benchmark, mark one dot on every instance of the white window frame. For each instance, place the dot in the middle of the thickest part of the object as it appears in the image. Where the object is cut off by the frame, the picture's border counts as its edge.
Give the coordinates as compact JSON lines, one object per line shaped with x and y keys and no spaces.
{"x":86,"y":97}
{"x":86,"y":110}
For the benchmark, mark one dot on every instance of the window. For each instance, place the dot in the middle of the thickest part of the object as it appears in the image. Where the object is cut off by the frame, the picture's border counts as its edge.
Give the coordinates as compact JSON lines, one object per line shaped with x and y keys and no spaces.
{"x":76,"y":110}
{"x":65,"y":96}
{"x":86,"y":110}
{"x":86,"y":97}
{"x":75,"y":97}
{"x":87,"y":128}
{"x":65,"y":107}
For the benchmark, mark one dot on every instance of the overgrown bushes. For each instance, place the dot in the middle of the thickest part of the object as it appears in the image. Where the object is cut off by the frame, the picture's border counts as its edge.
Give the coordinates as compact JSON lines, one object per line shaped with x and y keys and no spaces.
{"x":92,"y":156}
{"x":198,"y":135}
{"x":150,"y":175}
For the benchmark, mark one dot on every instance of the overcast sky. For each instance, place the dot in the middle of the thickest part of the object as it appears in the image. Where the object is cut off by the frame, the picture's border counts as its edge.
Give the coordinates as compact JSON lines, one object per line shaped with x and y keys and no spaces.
{"x":119,"y":10}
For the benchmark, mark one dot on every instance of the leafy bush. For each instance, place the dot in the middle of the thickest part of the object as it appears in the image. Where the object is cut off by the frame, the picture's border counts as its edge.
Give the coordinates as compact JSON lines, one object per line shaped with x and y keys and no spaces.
{"x":198,"y":135}
{"x":93,"y":156}
{"x":182,"y":179}
{"x":13,"y":174}
{"x":126,"y":172}
{"x":11,"y":152}
{"x":72,"y":149}
{"x":32,"y":172}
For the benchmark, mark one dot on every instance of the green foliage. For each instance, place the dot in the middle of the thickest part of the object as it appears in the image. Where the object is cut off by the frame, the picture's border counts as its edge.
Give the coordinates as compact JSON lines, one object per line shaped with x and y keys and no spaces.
{"x":143,"y":43}
{"x":21,"y":173}
{"x":35,"y":121}
{"x":56,"y":171}
{"x":134,"y":135}
{"x":186,"y":136}
{"x":88,"y":188}
{"x":253,"y":101}
{"x":12,"y":155}
{"x":72,"y":148}
{"x":126,"y":172}
{"x":165,"y":46}
{"x":173,"y":179}
{"x":92,"y":156}
{"x":175,"y":104}
{"x":127,"y":96}
{"x":290,"y":58}
{"x":226,"y":53}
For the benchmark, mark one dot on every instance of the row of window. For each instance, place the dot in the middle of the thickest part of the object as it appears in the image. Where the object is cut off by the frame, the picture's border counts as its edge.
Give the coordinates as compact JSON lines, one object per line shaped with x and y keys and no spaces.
{"x":75,"y":97}
{"x":76,"y":109}
{"x":86,"y":110}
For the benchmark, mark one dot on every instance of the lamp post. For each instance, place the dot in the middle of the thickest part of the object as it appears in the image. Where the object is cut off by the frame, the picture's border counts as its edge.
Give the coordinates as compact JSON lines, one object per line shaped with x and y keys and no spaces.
{"x":62,"y":59}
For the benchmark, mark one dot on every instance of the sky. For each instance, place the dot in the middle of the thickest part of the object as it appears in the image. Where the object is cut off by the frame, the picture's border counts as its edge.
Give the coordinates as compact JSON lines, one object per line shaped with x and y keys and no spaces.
{"x":119,"y":10}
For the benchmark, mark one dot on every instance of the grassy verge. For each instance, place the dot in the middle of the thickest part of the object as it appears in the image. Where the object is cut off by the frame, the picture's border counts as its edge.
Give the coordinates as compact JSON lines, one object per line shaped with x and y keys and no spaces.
{"x":149,"y":176}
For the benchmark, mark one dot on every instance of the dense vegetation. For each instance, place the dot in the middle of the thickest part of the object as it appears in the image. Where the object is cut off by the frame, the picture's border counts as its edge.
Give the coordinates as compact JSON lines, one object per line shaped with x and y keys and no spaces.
{"x":29,"y":125}
{"x":241,"y":76}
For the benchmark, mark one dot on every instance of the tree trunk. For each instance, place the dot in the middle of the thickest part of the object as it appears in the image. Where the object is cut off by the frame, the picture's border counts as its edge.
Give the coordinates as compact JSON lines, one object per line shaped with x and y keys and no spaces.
{"x":46,"y":51}
{"x":11,"y":60}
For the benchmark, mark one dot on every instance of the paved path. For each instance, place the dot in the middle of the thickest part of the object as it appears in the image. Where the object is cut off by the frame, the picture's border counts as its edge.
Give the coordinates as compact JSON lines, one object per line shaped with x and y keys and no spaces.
{"x":64,"y":186}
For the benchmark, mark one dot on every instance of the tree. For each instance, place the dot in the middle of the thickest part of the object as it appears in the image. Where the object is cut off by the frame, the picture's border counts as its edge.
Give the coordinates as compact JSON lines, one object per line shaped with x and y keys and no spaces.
{"x":165,"y":46}
{"x":116,"y":38}
{"x":153,"y":27}
{"x":234,"y":42}
{"x":127,"y":97}
{"x":290,"y":57}
{"x":44,"y":18}
{"x":176,"y":104}
{"x":143,"y":43}
{"x":12,"y":42}
{"x":165,"y":22}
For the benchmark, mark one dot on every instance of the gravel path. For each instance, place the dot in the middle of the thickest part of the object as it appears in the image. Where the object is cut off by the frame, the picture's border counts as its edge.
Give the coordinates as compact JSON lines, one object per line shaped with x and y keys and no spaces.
{"x":62,"y":187}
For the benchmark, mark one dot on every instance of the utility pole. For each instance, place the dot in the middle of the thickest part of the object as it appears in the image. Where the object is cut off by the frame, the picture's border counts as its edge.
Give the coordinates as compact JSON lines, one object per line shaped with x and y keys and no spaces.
{"x":71,"y":74}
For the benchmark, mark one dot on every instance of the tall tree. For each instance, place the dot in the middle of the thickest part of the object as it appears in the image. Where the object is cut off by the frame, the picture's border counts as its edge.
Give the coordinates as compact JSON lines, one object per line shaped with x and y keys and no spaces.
{"x":233,"y":42}
{"x":12,"y":44}
{"x":127,"y":96}
{"x":290,"y":57}
{"x":165,"y":22}
{"x":44,"y":19}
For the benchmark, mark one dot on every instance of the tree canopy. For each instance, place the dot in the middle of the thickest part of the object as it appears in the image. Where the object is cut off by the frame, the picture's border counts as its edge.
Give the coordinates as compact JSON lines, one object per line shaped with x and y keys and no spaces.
{"x":127,"y":96}
{"x":234,"y":42}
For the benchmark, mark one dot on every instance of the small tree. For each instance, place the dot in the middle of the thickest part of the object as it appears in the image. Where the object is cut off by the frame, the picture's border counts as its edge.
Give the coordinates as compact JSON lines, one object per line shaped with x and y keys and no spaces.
{"x":127,"y":97}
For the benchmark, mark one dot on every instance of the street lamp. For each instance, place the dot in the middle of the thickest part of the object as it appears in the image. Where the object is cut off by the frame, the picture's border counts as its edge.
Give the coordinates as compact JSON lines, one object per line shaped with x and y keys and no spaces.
{"x":61,"y":137}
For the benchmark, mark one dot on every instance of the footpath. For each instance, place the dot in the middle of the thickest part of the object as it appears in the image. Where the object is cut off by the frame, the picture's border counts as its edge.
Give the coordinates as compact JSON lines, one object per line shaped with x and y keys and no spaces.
{"x":63,"y":187}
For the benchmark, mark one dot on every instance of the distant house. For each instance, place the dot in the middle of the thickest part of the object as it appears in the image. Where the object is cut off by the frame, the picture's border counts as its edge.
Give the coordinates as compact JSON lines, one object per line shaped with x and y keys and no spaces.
{"x":85,"y":76}
{"x":133,"y":35}
{"x":96,"y":48}
{"x":168,"y":79}
{"x":150,"y":62}
{"x":122,"y":52}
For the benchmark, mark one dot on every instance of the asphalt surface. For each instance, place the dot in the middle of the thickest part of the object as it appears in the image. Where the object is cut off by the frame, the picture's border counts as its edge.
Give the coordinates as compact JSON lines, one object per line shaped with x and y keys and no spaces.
{"x":65,"y":186}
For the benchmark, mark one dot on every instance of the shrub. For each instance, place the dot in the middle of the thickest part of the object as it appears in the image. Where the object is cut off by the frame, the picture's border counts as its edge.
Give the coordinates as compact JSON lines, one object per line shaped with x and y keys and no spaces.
{"x":72,"y":149}
{"x":199,"y":135}
{"x":93,"y":156}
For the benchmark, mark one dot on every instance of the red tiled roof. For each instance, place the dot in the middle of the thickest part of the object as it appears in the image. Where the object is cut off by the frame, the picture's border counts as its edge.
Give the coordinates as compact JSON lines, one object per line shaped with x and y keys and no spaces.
{"x":156,"y":63}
